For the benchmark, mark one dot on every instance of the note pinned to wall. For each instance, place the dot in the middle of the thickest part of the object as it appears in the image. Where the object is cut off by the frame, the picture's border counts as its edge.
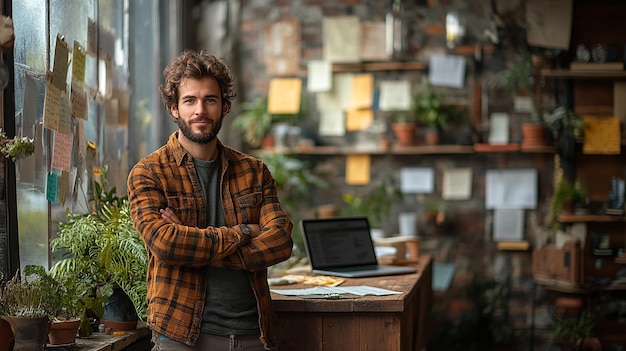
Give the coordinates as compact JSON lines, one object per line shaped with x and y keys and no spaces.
{"x":499,"y":128}
{"x":79,"y":59}
{"x":284,"y":96}
{"x":511,"y":188}
{"x":61,"y":63}
{"x":373,"y":41}
{"x":358,"y":120}
{"x":508,"y":225}
{"x":457,"y":184}
{"x":362,"y":91}
{"x":358,"y":169}
{"x":447,"y":71}
{"x":341,"y":39}
{"x":549,"y":23}
{"x":602,"y":135}
{"x":395,"y":95}
{"x":282,"y":47}
{"x":332,"y":123}
{"x":52,"y":105}
{"x":319,"y":76}
{"x":417,"y":180}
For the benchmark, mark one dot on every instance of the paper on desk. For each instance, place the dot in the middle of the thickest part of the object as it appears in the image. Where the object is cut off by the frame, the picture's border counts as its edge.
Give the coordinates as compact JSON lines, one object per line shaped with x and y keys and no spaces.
{"x":325,"y":290}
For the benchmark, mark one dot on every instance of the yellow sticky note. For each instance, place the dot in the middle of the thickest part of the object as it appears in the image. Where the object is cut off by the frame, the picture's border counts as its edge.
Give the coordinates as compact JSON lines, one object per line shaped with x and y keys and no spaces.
{"x":602,"y":135}
{"x":79,"y":58}
{"x":362,"y":91}
{"x":357,"y":120}
{"x":284,"y":96}
{"x":358,"y":169}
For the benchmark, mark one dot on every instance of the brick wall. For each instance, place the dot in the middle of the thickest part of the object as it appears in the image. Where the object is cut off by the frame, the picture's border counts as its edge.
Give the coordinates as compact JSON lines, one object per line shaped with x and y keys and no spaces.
{"x":467,"y":244}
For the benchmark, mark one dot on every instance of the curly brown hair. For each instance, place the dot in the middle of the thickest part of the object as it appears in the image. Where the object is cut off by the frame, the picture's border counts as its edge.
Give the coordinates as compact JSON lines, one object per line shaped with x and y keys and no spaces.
{"x":196,"y":64}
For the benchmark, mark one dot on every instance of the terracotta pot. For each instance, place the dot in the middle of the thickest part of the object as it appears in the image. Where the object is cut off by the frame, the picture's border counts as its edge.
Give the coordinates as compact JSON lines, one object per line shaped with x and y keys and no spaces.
{"x":534,"y":134}
{"x":63,"y":332}
{"x":7,"y":341}
{"x":268,"y":142}
{"x":431,"y":136}
{"x":405,"y":133}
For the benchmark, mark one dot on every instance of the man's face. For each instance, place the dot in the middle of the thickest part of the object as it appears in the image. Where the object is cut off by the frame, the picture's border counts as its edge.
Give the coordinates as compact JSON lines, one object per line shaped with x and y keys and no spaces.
{"x":200,"y":110}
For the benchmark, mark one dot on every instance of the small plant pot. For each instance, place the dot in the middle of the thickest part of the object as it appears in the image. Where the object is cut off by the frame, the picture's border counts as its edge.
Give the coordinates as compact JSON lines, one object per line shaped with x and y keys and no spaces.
{"x":405,"y":133}
{"x":63,"y":332}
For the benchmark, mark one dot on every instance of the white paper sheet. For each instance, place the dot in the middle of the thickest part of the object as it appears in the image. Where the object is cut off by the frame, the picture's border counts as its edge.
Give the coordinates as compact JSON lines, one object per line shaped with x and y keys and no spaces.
{"x":511,"y":188}
{"x":508,"y":224}
{"x":395,"y":95}
{"x":447,"y":71}
{"x":319,"y":77}
{"x":416,"y":180}
{"x":457,"y":184}
{"x":499,"y":128}
{"x":332,"y":123}
{"x":326,"y":290}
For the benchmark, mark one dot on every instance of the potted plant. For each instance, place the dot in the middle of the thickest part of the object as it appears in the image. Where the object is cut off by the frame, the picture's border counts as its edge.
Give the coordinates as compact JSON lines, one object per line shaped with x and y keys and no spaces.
{"x":566,"y":197}
{"x":431,"y":112}
{"x":404,"y":126}
{"x":255,"y":123}
{"x":28,"y":302}
{"x":437,"y":217}
{"x":103,"y":250}
{"x":564,"y":123}
{"x":575,"y":333}
{"x":74,"y":301}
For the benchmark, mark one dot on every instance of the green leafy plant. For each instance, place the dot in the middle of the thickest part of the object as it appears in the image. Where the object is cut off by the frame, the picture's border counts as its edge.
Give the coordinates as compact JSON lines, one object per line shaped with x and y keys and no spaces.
{"x":573,"y":331}
{"x":255,"y":122}
{"x":518,"y":78}
{"x":564,"y":121}
{"x":403,"y":117}
{"x":33,"y":294}
{"x":17,"y":147}
{"x":566,"y":193}
{"x":103,"y":250}
{"x":429,"y":109}
{"x":375,"y":203}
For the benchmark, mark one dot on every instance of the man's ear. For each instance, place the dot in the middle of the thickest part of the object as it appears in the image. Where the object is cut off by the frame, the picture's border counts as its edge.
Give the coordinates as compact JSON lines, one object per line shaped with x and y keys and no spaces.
{"x":174,"y":111}
{"x":225,"y":108}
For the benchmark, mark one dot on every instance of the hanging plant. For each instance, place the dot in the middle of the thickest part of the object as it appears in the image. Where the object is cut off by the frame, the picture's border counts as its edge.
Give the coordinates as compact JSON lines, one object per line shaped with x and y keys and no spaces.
{"x":16,"y":147}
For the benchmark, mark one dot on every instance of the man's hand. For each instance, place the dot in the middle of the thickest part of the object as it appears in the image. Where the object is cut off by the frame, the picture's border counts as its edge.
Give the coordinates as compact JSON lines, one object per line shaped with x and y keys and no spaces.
{"x":168,"y":215}
{"x":255,"y":230}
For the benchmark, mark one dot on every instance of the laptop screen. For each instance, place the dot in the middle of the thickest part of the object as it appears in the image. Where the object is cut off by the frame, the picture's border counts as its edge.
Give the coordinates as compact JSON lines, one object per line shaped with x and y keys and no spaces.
{"x":338,"y":242}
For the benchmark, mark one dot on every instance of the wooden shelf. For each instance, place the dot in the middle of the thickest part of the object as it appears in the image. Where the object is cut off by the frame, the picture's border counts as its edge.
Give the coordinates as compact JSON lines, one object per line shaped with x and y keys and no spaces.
{"x":579,"y":74}
{"x":590,"y":218}
{"x":452,"y":149}
{"x":379,"y":66}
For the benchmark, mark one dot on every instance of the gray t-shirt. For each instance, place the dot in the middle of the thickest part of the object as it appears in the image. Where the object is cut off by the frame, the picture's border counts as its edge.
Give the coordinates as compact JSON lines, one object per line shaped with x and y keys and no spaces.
{"x":230,"y":305}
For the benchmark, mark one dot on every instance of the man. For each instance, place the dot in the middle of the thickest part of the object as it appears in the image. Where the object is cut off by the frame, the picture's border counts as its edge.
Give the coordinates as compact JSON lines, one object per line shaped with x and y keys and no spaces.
{"x":211,"y":221}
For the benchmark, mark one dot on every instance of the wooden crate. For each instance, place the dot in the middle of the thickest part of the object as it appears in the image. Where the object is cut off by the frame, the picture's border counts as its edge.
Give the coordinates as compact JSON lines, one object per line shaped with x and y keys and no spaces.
{"x":559,"y":265}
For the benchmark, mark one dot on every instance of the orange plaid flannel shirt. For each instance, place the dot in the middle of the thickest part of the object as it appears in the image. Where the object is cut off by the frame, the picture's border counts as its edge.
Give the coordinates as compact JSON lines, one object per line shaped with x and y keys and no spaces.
{"x":179,"y":254}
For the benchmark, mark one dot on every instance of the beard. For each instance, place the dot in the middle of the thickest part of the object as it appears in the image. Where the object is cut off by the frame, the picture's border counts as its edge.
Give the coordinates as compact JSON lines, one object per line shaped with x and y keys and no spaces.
{"x":202,"y":137}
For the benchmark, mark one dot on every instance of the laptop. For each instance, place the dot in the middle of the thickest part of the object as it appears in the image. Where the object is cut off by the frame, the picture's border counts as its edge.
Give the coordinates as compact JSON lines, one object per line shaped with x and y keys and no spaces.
{"x":343,"y":247}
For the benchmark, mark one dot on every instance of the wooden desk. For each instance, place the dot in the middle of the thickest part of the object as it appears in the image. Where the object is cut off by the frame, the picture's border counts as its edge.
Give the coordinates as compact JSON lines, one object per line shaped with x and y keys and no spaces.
{"x":390,"y":323}
{"x":132,"y":340}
